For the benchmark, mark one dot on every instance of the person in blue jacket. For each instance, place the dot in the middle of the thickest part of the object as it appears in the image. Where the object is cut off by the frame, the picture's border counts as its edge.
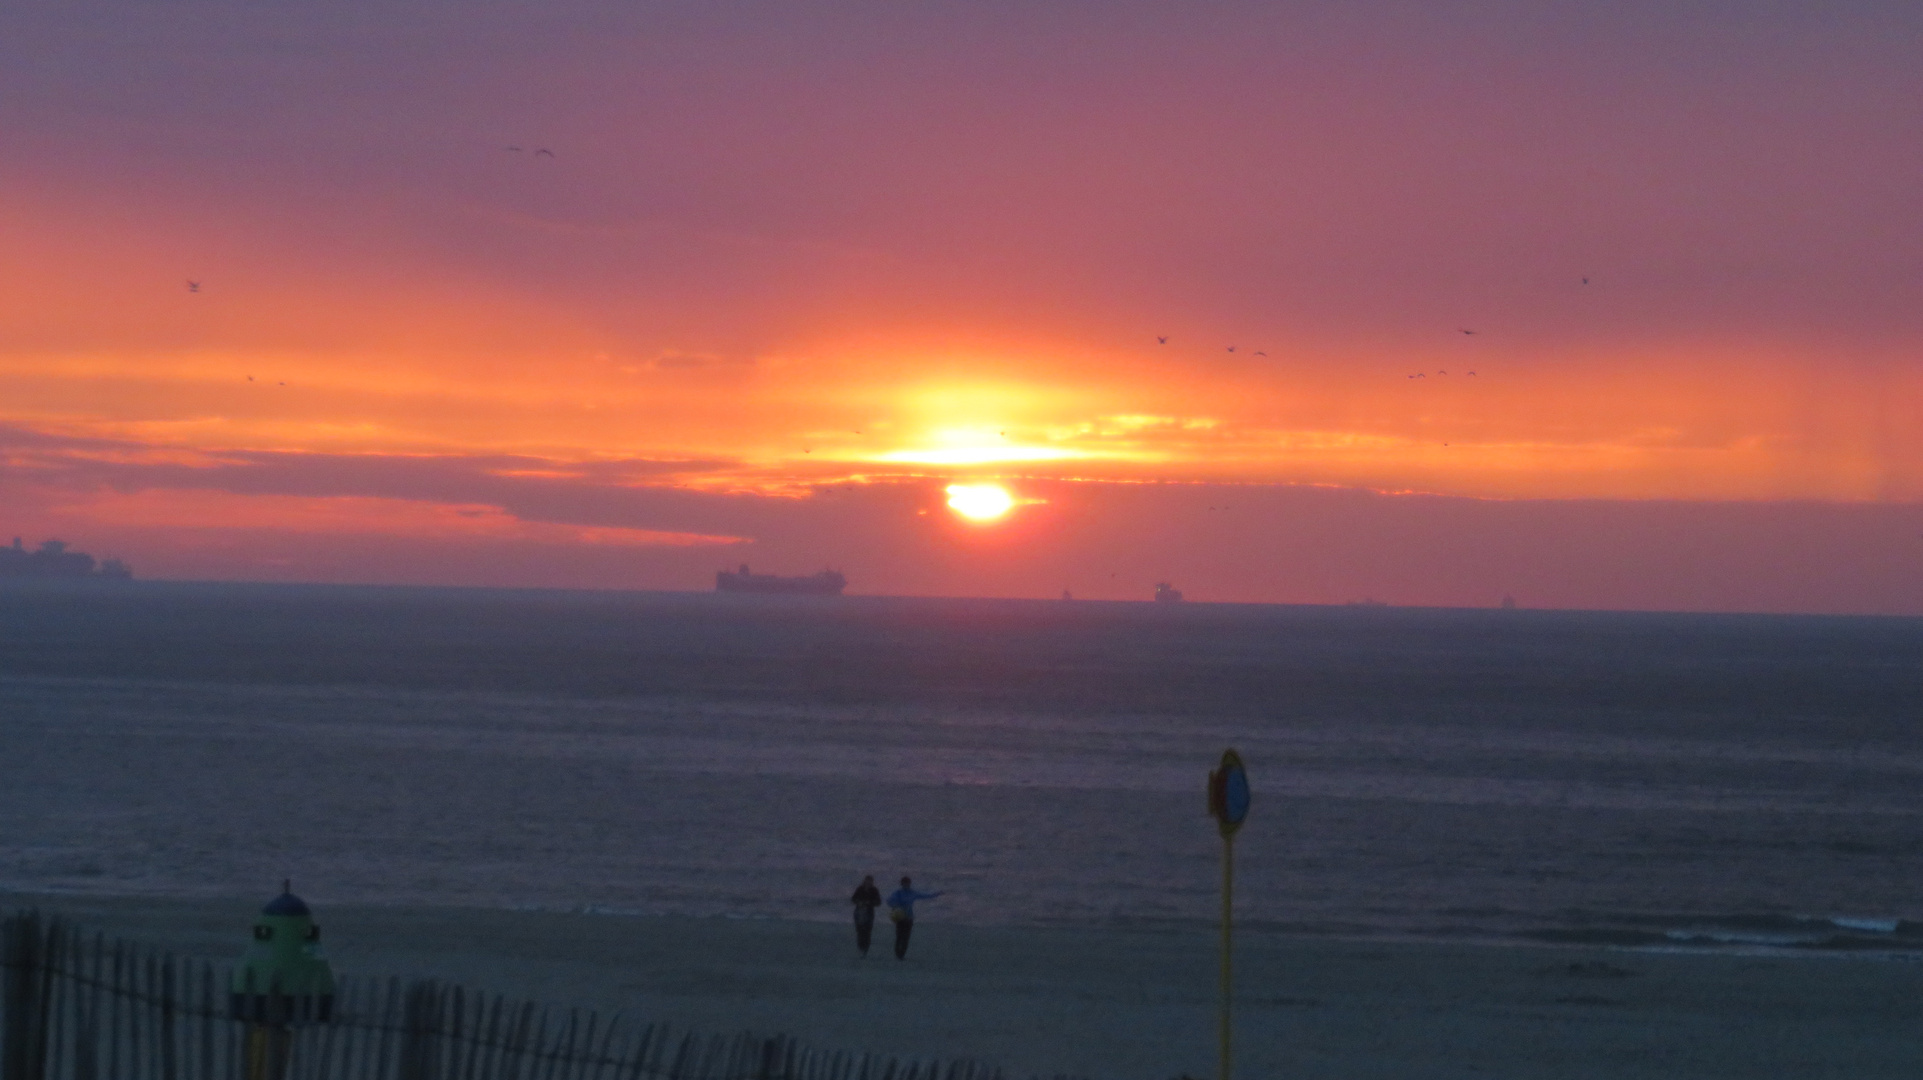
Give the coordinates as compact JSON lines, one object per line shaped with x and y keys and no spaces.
{"x":901,"y":908}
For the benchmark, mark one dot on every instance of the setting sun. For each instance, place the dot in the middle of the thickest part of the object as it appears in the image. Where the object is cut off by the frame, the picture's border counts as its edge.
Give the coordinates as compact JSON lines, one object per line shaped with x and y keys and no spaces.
{"x":980,"y":502}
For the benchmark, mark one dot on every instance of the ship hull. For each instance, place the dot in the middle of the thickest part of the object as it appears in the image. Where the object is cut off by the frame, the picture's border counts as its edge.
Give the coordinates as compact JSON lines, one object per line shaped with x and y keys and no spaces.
{"x":826,"y":583}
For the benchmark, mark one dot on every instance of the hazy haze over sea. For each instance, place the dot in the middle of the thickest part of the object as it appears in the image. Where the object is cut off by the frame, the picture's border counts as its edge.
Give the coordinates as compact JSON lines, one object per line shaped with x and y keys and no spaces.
{"x":1638,"y":779}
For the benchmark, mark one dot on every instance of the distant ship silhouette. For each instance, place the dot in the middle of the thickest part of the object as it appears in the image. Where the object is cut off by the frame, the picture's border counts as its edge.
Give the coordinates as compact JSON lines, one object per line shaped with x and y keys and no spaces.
{"x":53,"y":559}
{"x":825,"y":583}
{"x":1167,"y":594}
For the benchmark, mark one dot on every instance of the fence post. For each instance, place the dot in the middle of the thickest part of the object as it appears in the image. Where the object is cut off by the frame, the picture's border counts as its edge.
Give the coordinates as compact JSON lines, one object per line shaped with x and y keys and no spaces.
{"x":24,"y":1006}
{"x":419,"y":1034}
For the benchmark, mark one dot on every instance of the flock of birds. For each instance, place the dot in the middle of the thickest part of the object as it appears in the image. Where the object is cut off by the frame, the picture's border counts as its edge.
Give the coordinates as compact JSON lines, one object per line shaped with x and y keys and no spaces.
{"x":1160,"y":339}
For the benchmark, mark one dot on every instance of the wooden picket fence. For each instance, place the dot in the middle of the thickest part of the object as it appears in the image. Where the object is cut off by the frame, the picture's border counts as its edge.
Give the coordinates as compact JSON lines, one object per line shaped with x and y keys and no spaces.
{"x":84,"y":1008}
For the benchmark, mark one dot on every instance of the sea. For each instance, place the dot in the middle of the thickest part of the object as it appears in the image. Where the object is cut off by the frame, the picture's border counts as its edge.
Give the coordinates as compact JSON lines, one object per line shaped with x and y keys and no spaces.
{"x":1649,"y":781}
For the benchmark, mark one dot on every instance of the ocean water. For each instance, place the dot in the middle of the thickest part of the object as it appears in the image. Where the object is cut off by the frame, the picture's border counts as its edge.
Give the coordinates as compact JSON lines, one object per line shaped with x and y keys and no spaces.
{"x":1668,"y":781}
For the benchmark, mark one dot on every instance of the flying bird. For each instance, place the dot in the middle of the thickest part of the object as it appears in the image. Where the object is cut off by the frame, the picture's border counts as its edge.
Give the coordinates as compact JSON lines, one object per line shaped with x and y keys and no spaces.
{"x":192,"y":285}
{"x":544,"y":150}
{"x":512,"y":149}
{"x":1468,"y":331}
{"x":1472,"y":373}
{"x":1585,"y":281}
{"x":1231,"y":348}
{"x":1259,"y":352}
{"x":1161,"y":341}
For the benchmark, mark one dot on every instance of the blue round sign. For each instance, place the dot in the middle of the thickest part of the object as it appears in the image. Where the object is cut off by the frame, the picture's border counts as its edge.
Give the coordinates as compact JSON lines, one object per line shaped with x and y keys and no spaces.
{"x":1229,"y":793}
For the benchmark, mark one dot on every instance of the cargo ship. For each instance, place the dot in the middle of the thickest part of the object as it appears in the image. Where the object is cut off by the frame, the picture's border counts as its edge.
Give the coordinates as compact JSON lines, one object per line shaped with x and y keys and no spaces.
{"x":825,"y":583}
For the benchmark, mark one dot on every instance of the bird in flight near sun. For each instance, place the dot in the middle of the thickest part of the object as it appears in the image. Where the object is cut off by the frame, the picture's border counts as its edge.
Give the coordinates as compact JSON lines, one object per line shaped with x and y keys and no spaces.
{"x":980,"y":502}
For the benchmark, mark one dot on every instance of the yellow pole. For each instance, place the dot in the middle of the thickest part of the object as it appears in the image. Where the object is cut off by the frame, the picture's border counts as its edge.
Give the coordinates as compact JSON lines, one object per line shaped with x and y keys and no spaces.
{"x":1228,"y":921}
{"x":267,"y":1051}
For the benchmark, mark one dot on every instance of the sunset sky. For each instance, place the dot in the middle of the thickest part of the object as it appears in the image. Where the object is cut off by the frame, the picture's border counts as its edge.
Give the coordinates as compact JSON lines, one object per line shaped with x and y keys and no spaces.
{"x":786,"y":272}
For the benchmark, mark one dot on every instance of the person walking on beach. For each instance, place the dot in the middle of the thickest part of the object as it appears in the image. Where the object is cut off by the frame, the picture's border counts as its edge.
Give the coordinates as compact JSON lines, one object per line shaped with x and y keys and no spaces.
{"x":866,"y":899}
{"x":901,"y":908}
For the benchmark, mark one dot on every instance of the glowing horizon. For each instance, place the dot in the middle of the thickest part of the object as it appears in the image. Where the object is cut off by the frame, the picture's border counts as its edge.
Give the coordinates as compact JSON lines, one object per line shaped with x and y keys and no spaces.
{"x":1627,"y":257}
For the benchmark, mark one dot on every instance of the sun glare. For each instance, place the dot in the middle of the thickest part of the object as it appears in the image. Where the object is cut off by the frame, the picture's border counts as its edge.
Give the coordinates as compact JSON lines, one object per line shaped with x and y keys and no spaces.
{"x":980,"y":502}
{"x":978,"y":455}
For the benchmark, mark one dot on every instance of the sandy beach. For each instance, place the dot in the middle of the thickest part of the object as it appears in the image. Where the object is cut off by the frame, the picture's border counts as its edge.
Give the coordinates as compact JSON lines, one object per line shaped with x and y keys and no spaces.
{"x":1131,"y":1005}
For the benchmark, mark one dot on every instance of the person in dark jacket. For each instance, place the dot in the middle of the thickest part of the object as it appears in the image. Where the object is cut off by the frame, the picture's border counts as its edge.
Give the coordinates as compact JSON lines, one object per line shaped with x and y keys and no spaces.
{"x":866,"y":899}
{"x":901,"y":908}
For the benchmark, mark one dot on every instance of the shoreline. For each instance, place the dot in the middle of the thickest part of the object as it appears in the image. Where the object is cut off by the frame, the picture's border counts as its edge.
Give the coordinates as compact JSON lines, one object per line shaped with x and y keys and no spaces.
{"x":1893,"y":940}
{"x":1123,"y":1004}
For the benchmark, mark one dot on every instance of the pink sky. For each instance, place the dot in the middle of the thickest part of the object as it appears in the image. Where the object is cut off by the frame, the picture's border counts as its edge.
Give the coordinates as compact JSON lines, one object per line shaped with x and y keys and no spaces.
{"x":790,"y":272}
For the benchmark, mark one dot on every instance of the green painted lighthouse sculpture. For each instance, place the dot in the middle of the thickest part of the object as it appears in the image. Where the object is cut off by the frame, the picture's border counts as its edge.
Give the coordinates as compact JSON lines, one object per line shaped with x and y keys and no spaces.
{"x":282,"y":978}
{"x":282,"y":982}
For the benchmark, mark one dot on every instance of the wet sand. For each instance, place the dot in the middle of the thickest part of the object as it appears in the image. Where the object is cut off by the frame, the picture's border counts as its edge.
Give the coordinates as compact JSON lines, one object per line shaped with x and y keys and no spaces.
{"x":1127,"y":1004}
